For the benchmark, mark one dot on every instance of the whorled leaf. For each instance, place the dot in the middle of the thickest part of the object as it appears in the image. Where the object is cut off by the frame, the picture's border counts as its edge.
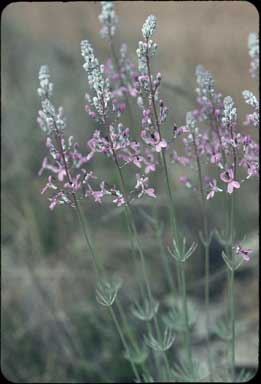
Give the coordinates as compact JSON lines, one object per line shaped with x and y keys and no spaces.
{"x":175,"y":318}
{"x":137,"y":355}
{"x":145,"y":311}
{"x":160,"y":344}
{"x":180,"y":254}
{"x":106,"y":291}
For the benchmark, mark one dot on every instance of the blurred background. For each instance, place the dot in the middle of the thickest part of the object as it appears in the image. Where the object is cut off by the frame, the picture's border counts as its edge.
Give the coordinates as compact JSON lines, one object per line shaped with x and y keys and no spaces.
{"x":52,"y":328}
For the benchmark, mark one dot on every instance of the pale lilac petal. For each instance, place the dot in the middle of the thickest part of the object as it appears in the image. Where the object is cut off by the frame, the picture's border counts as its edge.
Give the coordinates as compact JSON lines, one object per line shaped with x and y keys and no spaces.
{"x":230,"y":188}
{"x":150,"y":192}
{"x":210,"y":195}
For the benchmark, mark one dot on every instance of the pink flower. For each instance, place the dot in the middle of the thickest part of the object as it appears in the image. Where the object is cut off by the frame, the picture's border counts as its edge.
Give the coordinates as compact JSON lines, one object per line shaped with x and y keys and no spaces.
{"x":150,"y":167}
{"x":244,"y":252}
{"x":182,"y":160}
{"x":154,"y":139}
{"x":150,"y":192}
{"x":132,"y":91}
{"x":213,"y":189}
{"x":97,"y":195}
{"x":177,"y":131}
{"x":186,"y":181}
{"x":75,"y":184}
{"x":55,"y":200}
{"x":160,"y":145}
{"x":228,"y":177}
{"x":48,"y":185}
{"x":141,"y":184}
{"x":119,"y":200}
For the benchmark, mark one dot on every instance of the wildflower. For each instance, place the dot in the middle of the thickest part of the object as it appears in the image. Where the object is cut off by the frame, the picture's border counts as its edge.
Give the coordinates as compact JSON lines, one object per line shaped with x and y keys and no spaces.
{"x":230,"y":113}
{"x":213,"y":189}
{"x":244,"y":252}
{"x":60,"y":198}
{"x":154,"y":140}
{"x":108,"y":19}
{"x":253,"y":118}
{"x":186,"y":181}
{"x":149,"y":26}
{"x":49,"y":185}
{"x":141,"y":185}
{"x":182,"y":160}
{"x":228,"y":177}
{"x":205,"y":82}
{"x":97,"y":195}
{"x":253,"y":46}
{"x":191,"y":123}
{"x":101,"y":101}
{"x":46,"y":87}
{"x":148,"y":48}
{"x":119,"y":199}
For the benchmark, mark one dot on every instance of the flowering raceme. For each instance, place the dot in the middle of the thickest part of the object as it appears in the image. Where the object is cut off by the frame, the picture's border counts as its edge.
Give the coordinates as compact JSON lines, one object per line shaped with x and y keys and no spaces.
{"x":148,"y":92}
{"x":113,"y":139}
{"x":220,"y":143}
{"x":72,"y":181}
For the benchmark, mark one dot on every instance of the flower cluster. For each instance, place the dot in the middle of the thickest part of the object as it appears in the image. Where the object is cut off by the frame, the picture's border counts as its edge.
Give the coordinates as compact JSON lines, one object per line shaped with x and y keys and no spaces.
{"x":108,"y":19}
{"x":253,"y":46}
{"x":65,"y":158}
{"x":209,"y":101}
{"x":219,"y":143}
{"x":146,"y":48}
{"x":122,"y":80}
{"x":154,"y":112}
{"x":100,"y":104}
{"x":69,"y":180}
{"x":113,"y":139}
{"x":252,"y":119}
{"x":149,"y":27}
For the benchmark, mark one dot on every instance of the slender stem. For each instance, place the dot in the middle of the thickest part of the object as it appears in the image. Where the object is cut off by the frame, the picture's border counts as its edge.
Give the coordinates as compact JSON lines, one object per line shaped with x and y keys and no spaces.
{"x":185,"y":311}
{"x":132,"y":223}
{"x":206,"y":247}
{"x":163,"y":157}
{"x":165,"y":261}
{"x":232,"y":275}
{"x":166,"y":361}
{"x":97,"y":267}
{"x":233,"y":362}
{"x":79,"y":214}
{"x":123,"y":340}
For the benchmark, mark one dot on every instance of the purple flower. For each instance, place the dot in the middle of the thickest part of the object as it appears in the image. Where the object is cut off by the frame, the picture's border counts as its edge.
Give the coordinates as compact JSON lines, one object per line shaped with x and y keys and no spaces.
{"x":228,"y":177}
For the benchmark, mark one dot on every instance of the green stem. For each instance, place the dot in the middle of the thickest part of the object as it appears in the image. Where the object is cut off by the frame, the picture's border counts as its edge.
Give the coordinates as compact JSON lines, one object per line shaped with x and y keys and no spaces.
{"x":97,"y":266}
{"x":132,"y":225}
{"x":165,"y":261}
{"x":123,"y":340}
{"x":185,"y":311}
{"x":164,"y":162}
{"x":206,"y":247}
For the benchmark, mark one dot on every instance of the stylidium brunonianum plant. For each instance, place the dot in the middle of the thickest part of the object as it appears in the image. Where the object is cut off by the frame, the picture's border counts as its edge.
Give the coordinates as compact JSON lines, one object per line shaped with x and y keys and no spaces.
{"x":216,"y":147}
